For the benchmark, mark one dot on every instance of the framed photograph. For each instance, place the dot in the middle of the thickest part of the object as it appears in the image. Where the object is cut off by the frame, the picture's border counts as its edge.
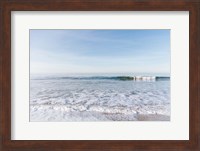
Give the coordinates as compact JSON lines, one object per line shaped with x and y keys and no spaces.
{"x":100,"y":75}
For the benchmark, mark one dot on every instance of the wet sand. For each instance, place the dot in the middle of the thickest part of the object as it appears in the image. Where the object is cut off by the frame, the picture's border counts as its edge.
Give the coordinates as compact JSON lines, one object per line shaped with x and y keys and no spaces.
{"x":153,"y":117}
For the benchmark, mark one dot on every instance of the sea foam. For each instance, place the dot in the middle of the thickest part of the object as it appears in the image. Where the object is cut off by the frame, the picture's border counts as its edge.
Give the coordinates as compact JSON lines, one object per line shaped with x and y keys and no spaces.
{"x":98,"y":98}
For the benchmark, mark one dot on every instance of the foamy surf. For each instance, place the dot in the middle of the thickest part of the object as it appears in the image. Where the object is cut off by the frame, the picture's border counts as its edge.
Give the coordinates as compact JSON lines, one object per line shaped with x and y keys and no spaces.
{"x":119,"y":98}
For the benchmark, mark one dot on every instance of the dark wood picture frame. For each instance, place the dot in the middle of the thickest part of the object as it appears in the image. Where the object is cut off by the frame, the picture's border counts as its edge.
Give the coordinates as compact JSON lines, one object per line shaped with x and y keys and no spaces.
{"x":193,"y":6}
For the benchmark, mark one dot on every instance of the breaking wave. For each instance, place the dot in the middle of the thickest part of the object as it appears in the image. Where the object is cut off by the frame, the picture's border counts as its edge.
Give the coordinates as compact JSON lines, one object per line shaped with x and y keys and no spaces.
{"x":121,"y":78}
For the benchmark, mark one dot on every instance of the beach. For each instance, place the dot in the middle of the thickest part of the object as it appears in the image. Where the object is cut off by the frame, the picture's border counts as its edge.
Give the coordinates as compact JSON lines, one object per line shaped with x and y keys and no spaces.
{"x":102,"y":98}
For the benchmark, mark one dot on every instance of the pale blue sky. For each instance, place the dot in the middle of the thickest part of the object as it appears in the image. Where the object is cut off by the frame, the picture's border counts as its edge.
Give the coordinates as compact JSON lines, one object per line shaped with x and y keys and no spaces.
{"x":99,"y":51}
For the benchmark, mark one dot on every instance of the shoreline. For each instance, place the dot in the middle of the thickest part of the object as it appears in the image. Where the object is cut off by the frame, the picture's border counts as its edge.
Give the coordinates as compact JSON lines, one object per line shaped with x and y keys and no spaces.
{"x":51,"y":114}
{"x":153,"y":117}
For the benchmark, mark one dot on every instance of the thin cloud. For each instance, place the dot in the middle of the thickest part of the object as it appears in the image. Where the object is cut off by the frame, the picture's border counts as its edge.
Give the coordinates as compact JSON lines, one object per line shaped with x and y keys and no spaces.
{"x":98,"y":51}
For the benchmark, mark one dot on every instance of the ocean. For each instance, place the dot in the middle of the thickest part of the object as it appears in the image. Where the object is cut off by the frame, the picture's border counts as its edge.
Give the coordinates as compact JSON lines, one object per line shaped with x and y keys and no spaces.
{"x":99,"y":98}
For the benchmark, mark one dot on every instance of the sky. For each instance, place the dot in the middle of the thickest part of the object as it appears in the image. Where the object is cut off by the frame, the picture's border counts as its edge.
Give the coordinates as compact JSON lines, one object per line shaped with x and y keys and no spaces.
{"x":99,"y":51}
